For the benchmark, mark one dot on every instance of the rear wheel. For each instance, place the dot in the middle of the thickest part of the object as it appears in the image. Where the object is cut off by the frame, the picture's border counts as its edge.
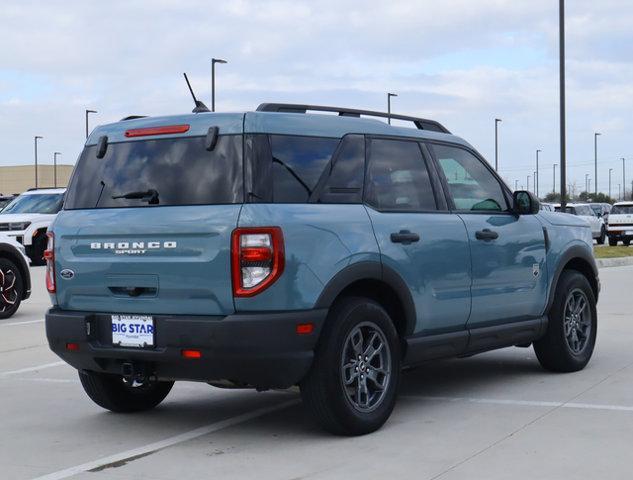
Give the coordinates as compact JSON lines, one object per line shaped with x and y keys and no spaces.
{"x":627,"y":242}
{"x":613,"y":242}
{"x":351,"y":387}
{"x":117,"y":394}
{"x":573,"y":322}
{"x":11,"y":288}
{"x":601,"y":238}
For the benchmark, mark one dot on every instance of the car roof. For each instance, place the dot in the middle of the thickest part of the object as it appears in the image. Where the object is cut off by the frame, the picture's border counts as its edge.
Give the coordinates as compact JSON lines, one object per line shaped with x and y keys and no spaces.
{"x":623,"y":204}
{"x":282,"y":123}
{"x":41,"y":191}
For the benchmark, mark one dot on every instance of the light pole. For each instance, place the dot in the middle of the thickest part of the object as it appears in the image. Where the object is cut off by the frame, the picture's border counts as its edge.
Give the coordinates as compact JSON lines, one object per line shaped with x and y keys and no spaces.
{"x":534,"y":182}
{"x":55,"y":168}
{"x":561,"y":68}
{"x":528,"y":183}
{"x":554,"y":179}
{"x":623,"y":178}
{"x":35,"y":139}
{"x":619,"y":192}
{"x":595,"y":156}
{"x":610,"y":170}
{"x":88,"y":112}
{"x":389,"y":95}
{"x":497,"y":121}
{"x":213,"y":62}
{"x":536,"y":179}
{"x":516,"y":183}
{"x":586,"y":182}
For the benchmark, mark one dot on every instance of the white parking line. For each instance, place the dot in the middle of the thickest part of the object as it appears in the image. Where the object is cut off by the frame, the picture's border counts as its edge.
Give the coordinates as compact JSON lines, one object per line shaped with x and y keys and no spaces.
{"x":16,"y":324}
{"x":32,"y":369}
{"x":168,"y":442}
{"x":522,"y":403}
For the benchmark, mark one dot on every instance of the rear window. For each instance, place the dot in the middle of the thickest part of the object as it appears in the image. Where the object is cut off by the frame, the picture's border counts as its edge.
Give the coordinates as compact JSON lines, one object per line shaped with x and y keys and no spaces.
{"x":165,"y":172}
{"x":621,"y":210}
{"x":46,"y":203}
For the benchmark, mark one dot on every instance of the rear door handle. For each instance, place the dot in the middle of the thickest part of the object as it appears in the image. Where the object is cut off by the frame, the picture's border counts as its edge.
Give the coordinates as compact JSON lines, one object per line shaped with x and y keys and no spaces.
{"x":405,"y":237}
{"x":486,"y":234}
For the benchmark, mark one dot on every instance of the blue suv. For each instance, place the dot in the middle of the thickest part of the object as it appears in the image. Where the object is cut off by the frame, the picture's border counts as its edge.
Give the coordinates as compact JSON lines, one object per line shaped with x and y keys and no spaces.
{"x":303,"y":245}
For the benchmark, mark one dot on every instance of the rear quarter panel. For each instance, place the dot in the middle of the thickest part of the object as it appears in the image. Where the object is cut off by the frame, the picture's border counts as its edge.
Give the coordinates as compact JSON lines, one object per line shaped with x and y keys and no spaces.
{"x":320,"y":240}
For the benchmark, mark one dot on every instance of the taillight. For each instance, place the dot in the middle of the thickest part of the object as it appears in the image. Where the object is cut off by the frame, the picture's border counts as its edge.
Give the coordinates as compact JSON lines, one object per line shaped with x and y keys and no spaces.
{"x":257,"y":259}
{"x":49,"y":256}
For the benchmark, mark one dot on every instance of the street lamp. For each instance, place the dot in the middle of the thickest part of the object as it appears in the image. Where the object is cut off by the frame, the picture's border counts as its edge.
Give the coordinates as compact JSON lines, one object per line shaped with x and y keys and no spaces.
{"x":528,"y":183}
{"x":213,"y":62}
{"x":87,"y":112}
{"x":516,"y":183}
{"x":586,"y":182}
{"x":595,"y":156}
{"x":619,"y":192}
{"x":561,"y":75}
{"x":497,"y":121}
{"x":610,"y":170}
{"x":536,"y":179}
{"x":55,"y":168}
{"x":389,"y":95}
{"x":623,"y":179}
{"x":35,"y":139}
{"x":554,"y":179}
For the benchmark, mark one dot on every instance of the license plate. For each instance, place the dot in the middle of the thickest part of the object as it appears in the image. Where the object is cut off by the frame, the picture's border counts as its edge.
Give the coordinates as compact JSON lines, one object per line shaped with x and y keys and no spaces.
{"x":133,"y":330}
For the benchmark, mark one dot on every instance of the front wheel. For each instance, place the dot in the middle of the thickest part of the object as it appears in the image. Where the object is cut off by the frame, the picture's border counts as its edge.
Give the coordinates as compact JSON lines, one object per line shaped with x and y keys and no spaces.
{"x":603,"y":235}
{"x":11,"y":288}
{"x":573,"y":323}
{"x":119,"y":395}
{"x":613,"y":242}
{"x":351,"y":387}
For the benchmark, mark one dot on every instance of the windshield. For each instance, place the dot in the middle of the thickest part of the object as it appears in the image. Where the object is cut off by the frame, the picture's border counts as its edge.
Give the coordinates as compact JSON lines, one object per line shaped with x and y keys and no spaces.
{"x":166,"y":172}
{"x":36,"y":203}
{"x":597,"y":209}
{"x":571,"y":210}
{"x":622,"y":210}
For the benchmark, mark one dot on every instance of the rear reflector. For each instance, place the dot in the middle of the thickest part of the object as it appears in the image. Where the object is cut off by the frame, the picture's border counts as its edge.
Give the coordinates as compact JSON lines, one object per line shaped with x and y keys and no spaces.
{"x":72,"y":347}
{"x":165,"y":130}
{"x":305,"y":328}
{"x":191,"y":354}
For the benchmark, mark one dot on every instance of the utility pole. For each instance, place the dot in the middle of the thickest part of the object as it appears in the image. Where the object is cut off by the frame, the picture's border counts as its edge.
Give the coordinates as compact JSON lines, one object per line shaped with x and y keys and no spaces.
{"x":610,"y":170}
{"x":497,"y":121}
{"x":35,"y":139}
{"x":554,"y":179}
{"x":389,"y":95}
{"x":561,"y":68}
{"x":595,"y":156}
{"x":536,"y":179}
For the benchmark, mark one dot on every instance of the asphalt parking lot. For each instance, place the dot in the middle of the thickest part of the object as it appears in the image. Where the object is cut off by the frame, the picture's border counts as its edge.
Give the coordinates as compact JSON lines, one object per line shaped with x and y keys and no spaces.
{"x":492,"y":416}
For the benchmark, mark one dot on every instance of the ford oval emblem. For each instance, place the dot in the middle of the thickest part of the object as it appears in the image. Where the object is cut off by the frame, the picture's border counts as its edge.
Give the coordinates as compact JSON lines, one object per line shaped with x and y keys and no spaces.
{"x":67,"y":274}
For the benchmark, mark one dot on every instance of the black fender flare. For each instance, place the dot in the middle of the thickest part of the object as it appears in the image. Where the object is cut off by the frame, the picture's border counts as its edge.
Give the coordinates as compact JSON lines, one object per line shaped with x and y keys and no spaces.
{"x":572,"y":253}
{"x":12,"y":253}
{"x":368,"y":270}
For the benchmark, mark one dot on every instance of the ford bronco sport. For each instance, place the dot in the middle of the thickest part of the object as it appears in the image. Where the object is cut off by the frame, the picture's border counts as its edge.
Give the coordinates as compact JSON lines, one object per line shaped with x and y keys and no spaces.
{"x":281,"y":247}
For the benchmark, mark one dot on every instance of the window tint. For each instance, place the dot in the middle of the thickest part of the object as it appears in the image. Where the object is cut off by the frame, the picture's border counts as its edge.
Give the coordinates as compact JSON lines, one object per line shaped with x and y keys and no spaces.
{"x":344,"y":181}
{"x":397,"y":178}
{"x":472,"y":186}
{"x":175,"y":171}
{"x":298,"y":163}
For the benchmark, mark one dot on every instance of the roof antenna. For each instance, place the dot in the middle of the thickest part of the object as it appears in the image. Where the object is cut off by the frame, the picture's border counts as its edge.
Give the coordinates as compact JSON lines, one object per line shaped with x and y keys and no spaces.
{"x":200,"y":107}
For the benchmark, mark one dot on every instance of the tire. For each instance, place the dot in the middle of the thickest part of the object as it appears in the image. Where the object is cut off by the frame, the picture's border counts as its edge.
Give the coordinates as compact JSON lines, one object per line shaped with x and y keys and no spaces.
{"x":555,"y":351}
{"x":113,"y":393}
{"x":626,"y":242}
{"x":352,"y":411}
{"x":613,"y":242}
{"x":12,"y":288}
{"x":603,"y":235}
{"x":36,"y":252}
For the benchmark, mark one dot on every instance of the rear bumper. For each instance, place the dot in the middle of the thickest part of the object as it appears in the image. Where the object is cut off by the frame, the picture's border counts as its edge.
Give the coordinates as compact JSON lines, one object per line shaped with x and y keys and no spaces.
{"x":256,"y":349}
{"x":619,"y":232}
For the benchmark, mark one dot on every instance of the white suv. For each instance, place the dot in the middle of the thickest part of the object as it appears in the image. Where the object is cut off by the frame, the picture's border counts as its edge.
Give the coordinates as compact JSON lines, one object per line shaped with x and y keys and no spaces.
{"x":28,"y":216}
{"x":620,"y":223}
{"x":584,"y":211}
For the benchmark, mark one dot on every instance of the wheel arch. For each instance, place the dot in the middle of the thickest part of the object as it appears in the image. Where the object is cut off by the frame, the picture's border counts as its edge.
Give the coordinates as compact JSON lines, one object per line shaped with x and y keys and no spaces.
{"x":579,"y":259}
{"x":376,"y":281}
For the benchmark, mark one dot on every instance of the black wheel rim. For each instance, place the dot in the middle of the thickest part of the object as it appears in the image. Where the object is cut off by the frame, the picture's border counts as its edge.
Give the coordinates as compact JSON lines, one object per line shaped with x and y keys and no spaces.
{"x":578,"y":321}
{"x":8,"y":292}
{"x":366,"y":367}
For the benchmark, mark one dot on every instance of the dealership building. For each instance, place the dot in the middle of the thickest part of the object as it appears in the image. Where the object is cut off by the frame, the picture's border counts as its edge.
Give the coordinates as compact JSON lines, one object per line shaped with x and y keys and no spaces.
{"x":18,"y":178}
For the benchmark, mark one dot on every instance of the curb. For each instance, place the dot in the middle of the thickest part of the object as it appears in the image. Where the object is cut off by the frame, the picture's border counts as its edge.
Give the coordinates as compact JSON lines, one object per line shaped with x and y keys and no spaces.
{"x":614,"y":262}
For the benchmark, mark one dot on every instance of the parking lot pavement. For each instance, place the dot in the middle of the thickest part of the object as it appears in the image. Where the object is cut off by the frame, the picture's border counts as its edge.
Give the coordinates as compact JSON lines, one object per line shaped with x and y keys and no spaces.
{"x":494,"y":416}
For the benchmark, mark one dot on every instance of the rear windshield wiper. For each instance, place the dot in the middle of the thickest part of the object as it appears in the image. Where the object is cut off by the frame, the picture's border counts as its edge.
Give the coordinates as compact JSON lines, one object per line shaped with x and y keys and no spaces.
{"x":150,"y":195}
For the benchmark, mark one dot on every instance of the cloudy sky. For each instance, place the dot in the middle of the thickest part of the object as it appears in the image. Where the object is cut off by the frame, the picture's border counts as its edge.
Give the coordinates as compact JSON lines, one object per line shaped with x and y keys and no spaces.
{"x":462,"y":62}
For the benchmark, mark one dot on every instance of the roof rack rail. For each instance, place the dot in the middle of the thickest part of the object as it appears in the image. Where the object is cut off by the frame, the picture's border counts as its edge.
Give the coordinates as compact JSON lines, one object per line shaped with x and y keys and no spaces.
{"x":420,"y":123}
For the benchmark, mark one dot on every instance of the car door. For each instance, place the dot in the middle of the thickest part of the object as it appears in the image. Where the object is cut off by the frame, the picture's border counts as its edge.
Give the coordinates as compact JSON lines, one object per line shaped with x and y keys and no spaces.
{"x":509,"y":278}
{"x":418,"y":237}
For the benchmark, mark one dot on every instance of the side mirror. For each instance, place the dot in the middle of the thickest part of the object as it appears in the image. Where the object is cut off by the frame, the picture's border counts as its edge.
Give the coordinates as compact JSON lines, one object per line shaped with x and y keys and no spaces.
{"x":525,"y":203}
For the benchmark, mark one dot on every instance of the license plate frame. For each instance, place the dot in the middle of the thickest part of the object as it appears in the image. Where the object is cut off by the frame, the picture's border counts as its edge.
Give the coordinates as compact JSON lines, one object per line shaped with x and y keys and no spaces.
{"x":133,"y":330}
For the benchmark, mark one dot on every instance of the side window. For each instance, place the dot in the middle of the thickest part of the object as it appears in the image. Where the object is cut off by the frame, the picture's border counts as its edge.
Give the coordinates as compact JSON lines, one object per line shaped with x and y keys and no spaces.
{"x":344,"y":180}
{"x":472,"y":186}
{"x":297,"y":165}
{"x":397,"y":177}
